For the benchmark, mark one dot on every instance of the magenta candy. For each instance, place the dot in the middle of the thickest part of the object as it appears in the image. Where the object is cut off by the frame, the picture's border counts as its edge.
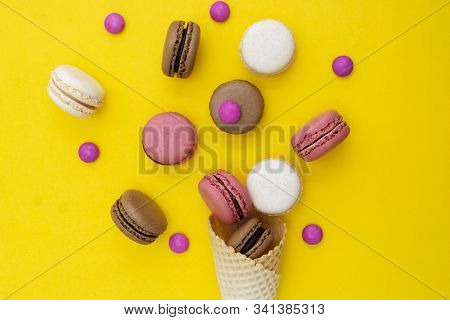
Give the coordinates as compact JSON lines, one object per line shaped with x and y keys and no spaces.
{"x":343,"y":66}
{"x":230,"y":112}
{"x":88,"y":152}
{"x":312,"y":234}
{"x":178,"y":243}
{"x":219,"y":11}
{"x":114,"y":23}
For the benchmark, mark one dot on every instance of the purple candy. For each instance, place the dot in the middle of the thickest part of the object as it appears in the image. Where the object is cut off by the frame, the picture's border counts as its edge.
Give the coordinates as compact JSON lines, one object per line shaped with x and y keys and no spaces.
{"x":230,"y":112}
{"x":312,"y":234}
{"x":219,"y":11}
{"x":343,"y":66}
{"x":88,"y":152}
{"x":114,"y":23}
{"x":178,"y":243}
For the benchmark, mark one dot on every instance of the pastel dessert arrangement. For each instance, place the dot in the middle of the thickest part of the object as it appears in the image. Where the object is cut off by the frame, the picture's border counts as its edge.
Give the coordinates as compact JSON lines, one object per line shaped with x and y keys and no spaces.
{"x":246,"y":232}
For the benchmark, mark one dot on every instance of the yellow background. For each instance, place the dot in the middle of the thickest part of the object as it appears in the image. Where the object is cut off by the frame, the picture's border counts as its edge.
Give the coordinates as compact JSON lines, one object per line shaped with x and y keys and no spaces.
{"x":387,"y":187}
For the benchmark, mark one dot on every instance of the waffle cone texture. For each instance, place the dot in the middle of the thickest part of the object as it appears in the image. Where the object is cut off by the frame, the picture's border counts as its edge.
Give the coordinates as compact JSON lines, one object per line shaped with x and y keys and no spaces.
{"x":241,"y":278}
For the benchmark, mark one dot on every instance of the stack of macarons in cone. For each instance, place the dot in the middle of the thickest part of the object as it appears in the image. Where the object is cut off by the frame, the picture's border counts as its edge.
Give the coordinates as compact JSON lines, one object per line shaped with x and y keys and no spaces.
{"x":246,"y":235}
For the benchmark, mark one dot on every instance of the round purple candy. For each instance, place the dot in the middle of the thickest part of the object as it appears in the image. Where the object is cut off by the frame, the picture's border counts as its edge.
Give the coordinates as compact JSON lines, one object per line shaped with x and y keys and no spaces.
{"x":114,"y":23}
{"x":88,"y":152}
{"x":312,"y":234}
{"x":230,"y":112}
{"x":219,"y":11}
{"x":178,"y":243}
{"x":343,"y":66}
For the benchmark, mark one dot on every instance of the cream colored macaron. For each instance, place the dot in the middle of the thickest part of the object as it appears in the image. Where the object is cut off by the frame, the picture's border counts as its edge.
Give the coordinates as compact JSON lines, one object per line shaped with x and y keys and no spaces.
{"x":74,"y":91}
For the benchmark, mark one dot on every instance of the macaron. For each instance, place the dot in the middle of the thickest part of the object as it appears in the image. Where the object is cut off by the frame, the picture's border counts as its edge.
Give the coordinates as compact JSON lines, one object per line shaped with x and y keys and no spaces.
{"x":252,"y":239}
{"x":267,"y":47}
{"x":225,"y":196}
{"x":236,"y":106}
{"x":169,"y":138}
{"x":274,"y":186}
{"x":138,"y":217}
{"x":74,"y":91}
{"x":320,"y":135}
{"x":180,"y":49}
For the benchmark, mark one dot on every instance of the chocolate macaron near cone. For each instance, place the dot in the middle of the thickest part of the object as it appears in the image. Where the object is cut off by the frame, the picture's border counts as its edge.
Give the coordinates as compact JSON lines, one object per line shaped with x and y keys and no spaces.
{"x":236,"y":106}
{"x":225,"y":196}
{"x":180,"y":49}
{"x":252,"y":239}
{"x":138,"y":217}
{"x":320,"y":135}
{"x":239,"y":276}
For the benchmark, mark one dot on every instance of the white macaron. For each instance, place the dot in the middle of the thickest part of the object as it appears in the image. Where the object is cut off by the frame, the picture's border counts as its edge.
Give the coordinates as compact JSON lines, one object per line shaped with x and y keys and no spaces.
{"x":267,"y":47}
{"x":274,"y":186}
{"x":75,"y":91}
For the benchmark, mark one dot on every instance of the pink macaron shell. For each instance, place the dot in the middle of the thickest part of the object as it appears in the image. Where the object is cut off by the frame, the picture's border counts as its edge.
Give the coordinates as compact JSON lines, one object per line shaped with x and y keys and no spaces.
{"x":239,"y":191}
{"x":315,"y":128}
{"x":326,"y":143}
{"x":218,"y":204}
{"x":169,"y":138}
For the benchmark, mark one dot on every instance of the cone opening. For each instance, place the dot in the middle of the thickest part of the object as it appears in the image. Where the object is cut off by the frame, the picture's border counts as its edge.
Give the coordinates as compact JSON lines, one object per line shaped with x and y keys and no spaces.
{"x":277,"y":226}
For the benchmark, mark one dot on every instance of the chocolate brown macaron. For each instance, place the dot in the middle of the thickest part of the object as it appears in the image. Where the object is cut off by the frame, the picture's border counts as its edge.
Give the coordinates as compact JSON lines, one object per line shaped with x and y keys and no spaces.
{"x":138,"y":217}
{"x":252,"y":239}
{"x":236,"y":106}
{"x":180,"y":49}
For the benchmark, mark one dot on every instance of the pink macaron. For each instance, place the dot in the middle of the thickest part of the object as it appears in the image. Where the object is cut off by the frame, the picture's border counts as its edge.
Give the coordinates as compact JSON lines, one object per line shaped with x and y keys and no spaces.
{"x":169,"y":138}
{"x":225,"y":196}
{"x":320,"y":135}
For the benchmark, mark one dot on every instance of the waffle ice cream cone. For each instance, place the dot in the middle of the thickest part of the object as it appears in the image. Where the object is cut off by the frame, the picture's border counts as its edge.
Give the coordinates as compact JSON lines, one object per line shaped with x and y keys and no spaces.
{"x":243,"y":278}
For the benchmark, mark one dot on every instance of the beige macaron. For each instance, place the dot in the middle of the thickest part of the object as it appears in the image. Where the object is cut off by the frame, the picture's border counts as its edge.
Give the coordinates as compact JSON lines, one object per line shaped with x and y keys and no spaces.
{"x":74,"y":91}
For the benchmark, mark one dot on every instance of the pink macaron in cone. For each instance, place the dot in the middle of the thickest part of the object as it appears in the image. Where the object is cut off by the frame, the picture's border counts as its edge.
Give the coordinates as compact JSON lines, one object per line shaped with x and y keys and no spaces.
{"x":320,"y":135}
{"x":225,"y":196}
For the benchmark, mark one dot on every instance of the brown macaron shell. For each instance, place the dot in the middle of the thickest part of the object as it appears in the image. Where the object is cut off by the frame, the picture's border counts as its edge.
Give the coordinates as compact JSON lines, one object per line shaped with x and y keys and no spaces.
{"x":186,"y":57}
{"x":249,"y":99}
{"x":138,"y":217}
{"x":173,"y":41}
{"x":253,"y":231}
